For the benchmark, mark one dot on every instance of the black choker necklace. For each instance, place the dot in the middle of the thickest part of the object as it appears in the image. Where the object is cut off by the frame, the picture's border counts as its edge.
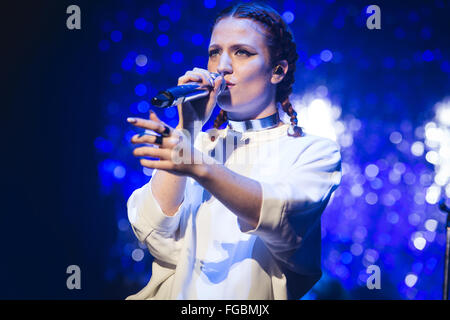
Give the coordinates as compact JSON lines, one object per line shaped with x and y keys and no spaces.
{"x":256,"y":124}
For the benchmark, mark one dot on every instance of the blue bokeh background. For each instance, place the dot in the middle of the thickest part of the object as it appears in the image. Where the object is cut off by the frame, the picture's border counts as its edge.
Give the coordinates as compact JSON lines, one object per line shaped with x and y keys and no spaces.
{"x":385,"y":93}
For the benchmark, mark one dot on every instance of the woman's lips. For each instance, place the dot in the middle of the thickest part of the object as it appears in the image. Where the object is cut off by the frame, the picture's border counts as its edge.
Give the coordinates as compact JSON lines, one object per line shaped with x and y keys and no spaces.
{"x":227,"y":86}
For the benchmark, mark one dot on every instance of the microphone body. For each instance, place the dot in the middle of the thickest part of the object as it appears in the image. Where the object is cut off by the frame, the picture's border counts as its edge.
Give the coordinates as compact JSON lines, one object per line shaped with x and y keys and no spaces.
{"x":179,"y":94}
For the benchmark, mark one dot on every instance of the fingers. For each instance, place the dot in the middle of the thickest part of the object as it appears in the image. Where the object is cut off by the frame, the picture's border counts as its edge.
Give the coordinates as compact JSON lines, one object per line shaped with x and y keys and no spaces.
{"x":154,"y":125}
{"x":197,"y":75}
{"x":206,"y":75}
{"x":168,"y":142}
{"x":188,"y":78}
{"x":219,"y":84}
{"x":156,"y":164}
{"x":163,"y":154}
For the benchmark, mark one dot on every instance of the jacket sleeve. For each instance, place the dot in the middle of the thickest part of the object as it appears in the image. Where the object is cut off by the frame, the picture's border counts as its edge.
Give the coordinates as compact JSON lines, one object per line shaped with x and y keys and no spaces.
{"x":292,"y":205}
{"x":153,"y":227}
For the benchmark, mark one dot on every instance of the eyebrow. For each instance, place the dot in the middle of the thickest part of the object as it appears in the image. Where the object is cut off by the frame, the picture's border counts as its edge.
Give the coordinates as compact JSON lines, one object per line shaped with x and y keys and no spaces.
{"x":234,"y":46}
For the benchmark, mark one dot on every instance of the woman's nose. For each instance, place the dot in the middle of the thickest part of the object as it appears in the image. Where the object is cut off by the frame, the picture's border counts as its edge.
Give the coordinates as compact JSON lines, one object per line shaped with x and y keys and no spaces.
{"x":224,"y":64}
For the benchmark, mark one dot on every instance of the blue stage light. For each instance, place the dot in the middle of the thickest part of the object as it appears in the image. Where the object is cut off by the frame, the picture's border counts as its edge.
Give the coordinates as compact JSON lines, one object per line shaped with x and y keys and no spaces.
{"x":170,"y":112}
{"x":116,"y":36}
{"x":164,"y":9}
{"x":140,"y":89}
{"x":326,"y":55}
{"x":141,"y":60}
{"x":127,"y":64}
{"x":288,"y":17}
{"x":209,"y":3}
{"x":164,"y":25}
{"x":346,"y":257}
{"x":427,"y":56}
{"x":143,"y":106}
{"x":197,"y":39}
{"x":119,"y":172}
{"x":140,"y":23}
{"x":177,"y":57}
{"x":163,"y":40}
{"x":174,"y":15}
{"x":123,"y":225}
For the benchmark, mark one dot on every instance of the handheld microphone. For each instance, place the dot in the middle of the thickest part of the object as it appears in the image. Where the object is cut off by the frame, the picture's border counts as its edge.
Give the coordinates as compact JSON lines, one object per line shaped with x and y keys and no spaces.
{"x":186,"y":92}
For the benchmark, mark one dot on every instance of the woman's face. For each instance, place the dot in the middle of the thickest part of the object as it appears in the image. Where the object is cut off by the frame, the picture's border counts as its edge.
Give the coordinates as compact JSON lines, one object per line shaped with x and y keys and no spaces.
{"x":238,"y":49}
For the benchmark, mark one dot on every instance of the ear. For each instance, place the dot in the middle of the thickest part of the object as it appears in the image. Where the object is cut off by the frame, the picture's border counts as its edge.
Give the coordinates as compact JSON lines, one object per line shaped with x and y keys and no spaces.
{"x":279,"y":71}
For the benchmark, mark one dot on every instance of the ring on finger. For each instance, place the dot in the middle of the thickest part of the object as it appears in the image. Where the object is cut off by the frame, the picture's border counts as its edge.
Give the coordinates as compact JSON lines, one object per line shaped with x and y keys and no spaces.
{"x":159,"y":140}
{"x":166,"y":131}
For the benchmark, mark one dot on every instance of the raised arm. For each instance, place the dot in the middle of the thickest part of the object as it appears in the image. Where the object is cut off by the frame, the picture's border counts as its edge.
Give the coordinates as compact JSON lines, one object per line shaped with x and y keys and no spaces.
{"x":240,"y":194}
{"x":167,"y":185}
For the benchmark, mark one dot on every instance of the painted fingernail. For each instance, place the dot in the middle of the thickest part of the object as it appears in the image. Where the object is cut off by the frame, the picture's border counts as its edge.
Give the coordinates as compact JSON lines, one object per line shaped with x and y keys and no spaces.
{"x":131,"y":120}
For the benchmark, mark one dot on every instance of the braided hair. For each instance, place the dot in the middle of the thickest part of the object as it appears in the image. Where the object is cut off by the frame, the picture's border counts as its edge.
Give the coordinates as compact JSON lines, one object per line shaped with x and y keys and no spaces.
{"x":281,"y":45}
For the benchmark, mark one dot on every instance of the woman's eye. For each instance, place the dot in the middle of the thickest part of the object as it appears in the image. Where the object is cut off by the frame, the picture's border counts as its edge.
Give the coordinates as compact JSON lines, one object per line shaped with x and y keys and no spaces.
{"x":212,"y":53}
{"x":245,"y":52}
{"x":239,"y":52}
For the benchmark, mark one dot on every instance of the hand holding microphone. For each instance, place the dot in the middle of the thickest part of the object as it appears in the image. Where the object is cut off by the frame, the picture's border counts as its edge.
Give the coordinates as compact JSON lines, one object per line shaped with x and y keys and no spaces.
{"x":166,"y":144}
{"x":195,"y":96}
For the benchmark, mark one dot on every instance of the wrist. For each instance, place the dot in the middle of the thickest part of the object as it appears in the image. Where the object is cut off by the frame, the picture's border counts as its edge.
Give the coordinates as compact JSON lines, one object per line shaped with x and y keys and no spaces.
{"x":200,"y":172}
{"x":203,"y":170}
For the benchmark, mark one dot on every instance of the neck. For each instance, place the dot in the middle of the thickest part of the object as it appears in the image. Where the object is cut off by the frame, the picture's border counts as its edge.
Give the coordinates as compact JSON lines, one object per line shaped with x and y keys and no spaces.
{"x":267,"y":111}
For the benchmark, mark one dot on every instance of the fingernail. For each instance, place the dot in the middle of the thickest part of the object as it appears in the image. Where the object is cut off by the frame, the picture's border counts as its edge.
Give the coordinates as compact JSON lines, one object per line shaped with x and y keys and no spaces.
{"x":131,"y":120}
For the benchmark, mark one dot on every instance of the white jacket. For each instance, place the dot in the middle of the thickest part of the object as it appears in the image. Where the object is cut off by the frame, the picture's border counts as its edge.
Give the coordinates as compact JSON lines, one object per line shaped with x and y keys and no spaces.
{"x":204,"y":252}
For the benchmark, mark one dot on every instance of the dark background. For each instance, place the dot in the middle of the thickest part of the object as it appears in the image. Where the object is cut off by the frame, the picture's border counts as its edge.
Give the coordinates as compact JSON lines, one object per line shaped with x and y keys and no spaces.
{"x":52,"y":215}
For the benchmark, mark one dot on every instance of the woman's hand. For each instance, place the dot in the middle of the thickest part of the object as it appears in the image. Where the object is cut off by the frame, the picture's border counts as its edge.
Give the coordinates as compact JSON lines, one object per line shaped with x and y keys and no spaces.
{"x":176,"y":154}
{"x":198,"y":110}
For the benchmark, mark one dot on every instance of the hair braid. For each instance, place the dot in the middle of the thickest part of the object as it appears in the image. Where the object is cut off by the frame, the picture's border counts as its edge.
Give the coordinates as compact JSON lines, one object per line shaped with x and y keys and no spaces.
{"x":221,"y":118}
{"x":281,"y":46}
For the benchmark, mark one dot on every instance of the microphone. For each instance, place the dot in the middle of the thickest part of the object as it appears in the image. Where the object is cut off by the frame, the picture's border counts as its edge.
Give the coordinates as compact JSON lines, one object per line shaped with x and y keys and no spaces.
{"x":186,"y":92}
